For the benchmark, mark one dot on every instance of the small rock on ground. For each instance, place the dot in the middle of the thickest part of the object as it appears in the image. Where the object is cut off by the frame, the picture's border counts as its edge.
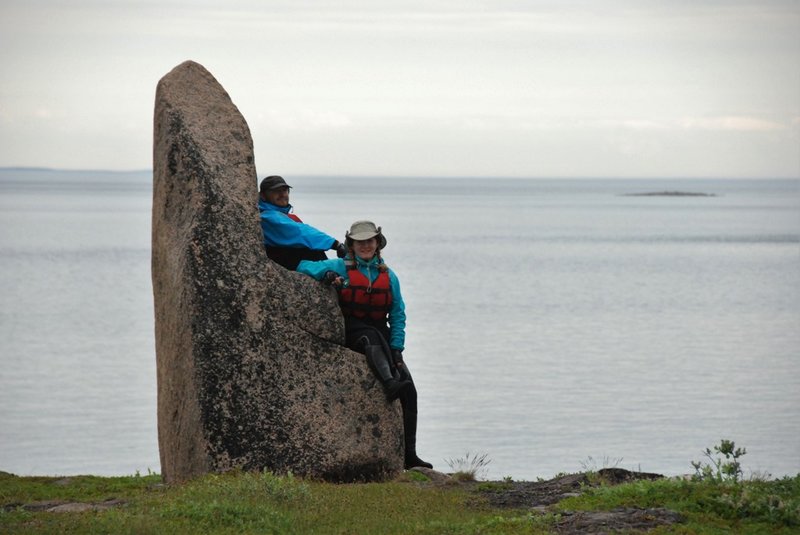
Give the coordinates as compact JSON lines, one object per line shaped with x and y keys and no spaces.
{"x":622,"y":519}
{"x":59,"y":506}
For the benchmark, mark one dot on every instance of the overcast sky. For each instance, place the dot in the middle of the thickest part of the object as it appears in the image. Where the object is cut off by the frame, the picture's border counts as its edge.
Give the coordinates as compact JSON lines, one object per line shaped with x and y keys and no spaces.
{"x":562,"y":88}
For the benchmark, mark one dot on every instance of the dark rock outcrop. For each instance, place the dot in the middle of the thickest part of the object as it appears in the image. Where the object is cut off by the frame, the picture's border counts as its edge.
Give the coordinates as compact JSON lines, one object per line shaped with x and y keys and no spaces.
{"x":519,"y":494}
{"x":540,"y":496}
{"x":251,"y":369}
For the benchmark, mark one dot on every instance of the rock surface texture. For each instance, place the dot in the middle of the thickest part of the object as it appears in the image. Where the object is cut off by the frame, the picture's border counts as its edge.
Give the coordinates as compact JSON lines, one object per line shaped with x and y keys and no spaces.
{"x":251,"y":369}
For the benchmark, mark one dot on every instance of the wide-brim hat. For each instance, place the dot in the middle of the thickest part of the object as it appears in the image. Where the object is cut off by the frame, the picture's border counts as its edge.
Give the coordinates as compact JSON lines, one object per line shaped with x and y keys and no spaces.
{"x":273,"y":182}
{"x":364,"y":230}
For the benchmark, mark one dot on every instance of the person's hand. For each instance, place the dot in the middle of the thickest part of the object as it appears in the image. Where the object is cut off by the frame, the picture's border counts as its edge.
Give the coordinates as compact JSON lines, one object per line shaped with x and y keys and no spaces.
{"x":341,"y":249}
{"x":397,"y":357}
{"x":331,"y":278}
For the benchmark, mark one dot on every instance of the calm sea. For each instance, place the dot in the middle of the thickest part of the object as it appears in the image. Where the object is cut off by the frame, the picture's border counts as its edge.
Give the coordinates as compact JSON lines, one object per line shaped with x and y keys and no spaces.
{"x":553,"y":324}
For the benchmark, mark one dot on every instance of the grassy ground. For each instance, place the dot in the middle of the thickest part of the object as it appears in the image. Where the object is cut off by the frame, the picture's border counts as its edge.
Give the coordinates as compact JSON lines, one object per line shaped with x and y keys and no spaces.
{"x":264,"y":503}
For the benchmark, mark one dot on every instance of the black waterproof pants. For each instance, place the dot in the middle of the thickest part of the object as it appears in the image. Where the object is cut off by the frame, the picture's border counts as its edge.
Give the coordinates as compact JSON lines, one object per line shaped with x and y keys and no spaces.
{"x":289,"y":257}
{"x":359,"y":333}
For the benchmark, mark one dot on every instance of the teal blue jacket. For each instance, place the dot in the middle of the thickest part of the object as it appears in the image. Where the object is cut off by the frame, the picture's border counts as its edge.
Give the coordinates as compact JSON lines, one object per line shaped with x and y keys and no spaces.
{"x":397,"y":312}
{"x":282,"y":231}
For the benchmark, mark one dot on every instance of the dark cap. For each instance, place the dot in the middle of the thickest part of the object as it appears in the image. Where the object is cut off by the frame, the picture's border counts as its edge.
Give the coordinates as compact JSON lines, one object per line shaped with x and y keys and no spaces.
{"x":273,"y":182}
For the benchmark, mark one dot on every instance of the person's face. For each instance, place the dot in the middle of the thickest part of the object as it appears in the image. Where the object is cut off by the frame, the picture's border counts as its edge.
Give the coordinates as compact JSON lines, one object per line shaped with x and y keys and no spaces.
{"x":279,"y":196}
{"x":365,"y":249}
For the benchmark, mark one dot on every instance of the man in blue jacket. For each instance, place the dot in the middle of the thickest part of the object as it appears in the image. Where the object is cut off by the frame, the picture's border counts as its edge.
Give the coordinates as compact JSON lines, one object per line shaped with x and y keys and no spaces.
{"x":286,"y":238}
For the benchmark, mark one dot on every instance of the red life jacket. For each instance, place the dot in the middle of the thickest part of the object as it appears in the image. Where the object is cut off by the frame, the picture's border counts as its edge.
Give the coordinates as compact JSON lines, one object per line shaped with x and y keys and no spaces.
{"x":294,"y":218}
{"x":361,"y":300}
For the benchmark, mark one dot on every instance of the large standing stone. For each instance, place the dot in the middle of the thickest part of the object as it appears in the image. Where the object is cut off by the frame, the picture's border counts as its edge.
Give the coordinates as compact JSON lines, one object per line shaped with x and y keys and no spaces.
{"x":251,"y":369}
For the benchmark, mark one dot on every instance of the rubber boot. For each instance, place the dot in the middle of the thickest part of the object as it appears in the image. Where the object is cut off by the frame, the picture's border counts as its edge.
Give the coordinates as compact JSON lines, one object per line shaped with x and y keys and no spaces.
{"x":412,"y":461}
{"x":379,"y":363}
{"x":409,"y":403}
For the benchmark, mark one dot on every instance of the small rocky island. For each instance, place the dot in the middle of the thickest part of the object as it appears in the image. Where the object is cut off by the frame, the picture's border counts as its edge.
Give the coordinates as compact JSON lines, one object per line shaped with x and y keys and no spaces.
{"x":669,"y":194}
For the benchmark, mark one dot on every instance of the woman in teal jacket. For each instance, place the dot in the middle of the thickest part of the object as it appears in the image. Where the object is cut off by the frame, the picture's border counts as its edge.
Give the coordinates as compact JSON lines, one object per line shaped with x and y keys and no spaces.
{"x":375,"y":318}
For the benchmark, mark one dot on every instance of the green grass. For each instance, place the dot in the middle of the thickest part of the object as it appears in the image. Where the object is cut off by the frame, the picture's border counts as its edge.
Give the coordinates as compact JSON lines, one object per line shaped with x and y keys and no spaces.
{"x":709,"y":506}
{"x":264,"y":503}
{"x":252,"y":503}
{"x":83,"y":488}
